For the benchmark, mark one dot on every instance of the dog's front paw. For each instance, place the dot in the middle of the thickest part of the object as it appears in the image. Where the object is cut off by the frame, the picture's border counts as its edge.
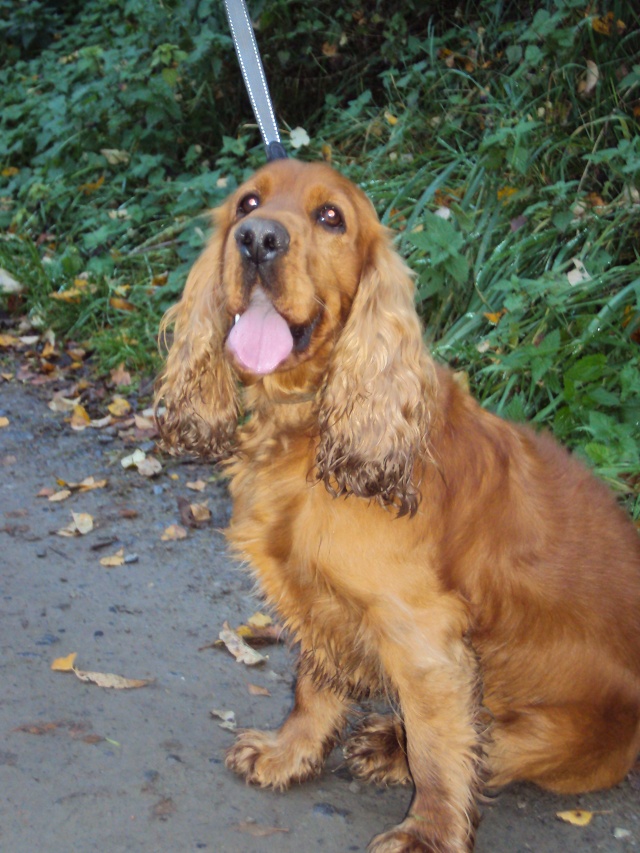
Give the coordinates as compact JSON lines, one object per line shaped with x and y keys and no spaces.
{"x":263,"y":759}
{"x":375,"y":751}
{"x":412,"y":836}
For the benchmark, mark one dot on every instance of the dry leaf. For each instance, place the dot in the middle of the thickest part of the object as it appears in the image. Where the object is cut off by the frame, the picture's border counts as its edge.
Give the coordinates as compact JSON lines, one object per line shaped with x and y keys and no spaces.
{"x":45,"y":492}
{"x":196,"y":485}
{"x":200,"y":512}
{"x":81,"y":525}
{"x":576,"y":817}
{"x":258,"y":830}
{"x":64,"y":664}
{"x":80,"y":418}
{"x":60,"y":495}
{"x":88,"y":484}
{"x":228,"y":719}
{"x":149,"y":467}
{"x":4,"y":421}
{"x":121,"y":304}
{"x":120,"y":376}
{"x":238,"y":648}
{"x":173,"y":532}
{"x":134,"y":459}
{"x":256,"y":690}
{"x":144,"y":423}
{"x":60,"y":403}
{"x":110,"y":680}
{"x":116,"y":559}
{"x":587,"y":85}
{"x":259,"y":620}
{"x":8,"y":340}
{"x":119,"y":407}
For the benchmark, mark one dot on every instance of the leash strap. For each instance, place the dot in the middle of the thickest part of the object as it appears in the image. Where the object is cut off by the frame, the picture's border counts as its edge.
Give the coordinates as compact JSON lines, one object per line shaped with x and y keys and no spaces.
{"x":255,"y":81}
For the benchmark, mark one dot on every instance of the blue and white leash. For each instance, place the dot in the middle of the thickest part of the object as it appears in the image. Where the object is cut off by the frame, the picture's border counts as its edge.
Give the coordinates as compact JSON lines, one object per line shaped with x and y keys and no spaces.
{"x":255,"y":81}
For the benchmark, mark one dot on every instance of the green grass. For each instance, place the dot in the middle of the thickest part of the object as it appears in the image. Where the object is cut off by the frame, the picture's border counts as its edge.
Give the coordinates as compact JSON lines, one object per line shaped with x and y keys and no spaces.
{"x":110,"y":155}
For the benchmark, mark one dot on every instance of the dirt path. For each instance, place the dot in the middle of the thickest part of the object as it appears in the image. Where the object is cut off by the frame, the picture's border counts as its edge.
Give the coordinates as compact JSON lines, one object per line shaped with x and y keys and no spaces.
{"x":88,"y":769}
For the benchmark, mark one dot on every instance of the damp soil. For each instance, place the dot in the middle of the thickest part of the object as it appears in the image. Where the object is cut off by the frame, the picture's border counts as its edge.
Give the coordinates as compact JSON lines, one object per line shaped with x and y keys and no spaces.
{"x":83,"y":768}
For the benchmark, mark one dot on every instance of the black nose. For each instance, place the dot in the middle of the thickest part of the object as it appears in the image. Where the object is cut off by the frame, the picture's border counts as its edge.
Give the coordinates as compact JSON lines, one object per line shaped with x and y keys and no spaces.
{"x":261,"y":240}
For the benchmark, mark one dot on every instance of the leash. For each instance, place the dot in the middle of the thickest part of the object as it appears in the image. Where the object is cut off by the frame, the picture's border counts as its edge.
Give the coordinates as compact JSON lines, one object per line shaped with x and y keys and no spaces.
{"x":244,"y":41}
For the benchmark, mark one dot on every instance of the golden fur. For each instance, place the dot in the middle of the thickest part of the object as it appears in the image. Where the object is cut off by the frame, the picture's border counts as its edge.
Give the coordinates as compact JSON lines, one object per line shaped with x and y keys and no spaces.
{"x":414,"y":544}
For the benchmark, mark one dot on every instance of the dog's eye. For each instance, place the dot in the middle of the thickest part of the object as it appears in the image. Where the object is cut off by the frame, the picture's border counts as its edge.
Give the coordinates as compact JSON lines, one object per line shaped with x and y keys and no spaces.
{"x":331,"y":218}
{"x":247,"y":204}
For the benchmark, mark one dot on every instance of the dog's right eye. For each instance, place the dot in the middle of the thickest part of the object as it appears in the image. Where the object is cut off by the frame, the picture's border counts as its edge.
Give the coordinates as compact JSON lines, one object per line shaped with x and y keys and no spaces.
{"x":247,"y":204}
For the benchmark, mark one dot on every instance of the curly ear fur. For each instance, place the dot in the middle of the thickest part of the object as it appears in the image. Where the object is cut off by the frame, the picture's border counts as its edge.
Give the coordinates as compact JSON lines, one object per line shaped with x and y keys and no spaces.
{"x":374,"y":410}
{"x":197,"y":386}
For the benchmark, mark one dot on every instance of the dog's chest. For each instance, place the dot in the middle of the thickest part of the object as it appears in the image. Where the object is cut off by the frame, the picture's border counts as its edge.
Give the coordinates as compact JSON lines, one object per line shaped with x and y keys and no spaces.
{"x":306,"y":553}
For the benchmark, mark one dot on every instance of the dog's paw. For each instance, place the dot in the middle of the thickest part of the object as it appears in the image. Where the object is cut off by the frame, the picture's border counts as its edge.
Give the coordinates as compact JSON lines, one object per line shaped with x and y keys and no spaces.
{"x":375,"y":751}
{"x":264,"y":760}
{"x":409,"y":837}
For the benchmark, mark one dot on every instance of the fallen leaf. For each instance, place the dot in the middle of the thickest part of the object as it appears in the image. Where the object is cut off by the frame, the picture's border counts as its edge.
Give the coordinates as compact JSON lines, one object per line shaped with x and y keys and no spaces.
{"x":228,"y":719}
{"x":149,"y":467}
{"x":134,"y":459}
{"x":200,"y":512}
{"x":173,"y":532}
{"x":259,"y":620}
{"x":119,"y":407}
{"x":120,"y":376}
{"x":8,"y":341}
{"x":110,"y":680}
{"x":4,"y":421}
{"x":576,"y":817}
{"x":8,"y":283}
{"x":60,"y":495}
{"x":121,"y":304}
{"x":113,"y":560}
{"x":578,"y":274}
{"x":494,"y":316}
{"x":80,"y":418}
{"x":258,"y":830}
{"x":88,"y":484}
{"x":64,"y":664}
{"x":81,"y":524}
{"x":591,"y":78}
{"x":144,"y":423}
{"x":196,"y":485}
{"x":45,"y":492}
{"x":256,"y":690}
{"x":60,"y":403}
{"x":242,"y":652}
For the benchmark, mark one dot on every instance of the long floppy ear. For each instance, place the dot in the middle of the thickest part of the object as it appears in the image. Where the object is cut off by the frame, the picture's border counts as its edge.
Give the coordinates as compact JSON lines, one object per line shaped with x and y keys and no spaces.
{"x":374,"y":410}
{"x":197,"y":386}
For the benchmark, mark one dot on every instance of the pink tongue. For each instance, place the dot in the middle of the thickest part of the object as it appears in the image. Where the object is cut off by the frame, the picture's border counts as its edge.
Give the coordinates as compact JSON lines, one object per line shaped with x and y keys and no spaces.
{"x":261,"y":338}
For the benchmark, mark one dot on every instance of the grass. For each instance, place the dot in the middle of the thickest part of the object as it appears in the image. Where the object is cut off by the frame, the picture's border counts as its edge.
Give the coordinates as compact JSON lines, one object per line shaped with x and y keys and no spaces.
{"x":502,"y":145}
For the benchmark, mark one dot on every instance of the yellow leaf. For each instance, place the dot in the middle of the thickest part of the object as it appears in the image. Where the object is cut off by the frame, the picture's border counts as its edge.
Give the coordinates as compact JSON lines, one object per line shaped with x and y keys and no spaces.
{"x":4,"y":421}
{"x":576,"y":817}
{"x":494,"y":316}
{"x":200,"y":512}
{"x":119,"y":407}
{"x":64,"y":664}
{"x":116,"y":559}
{"x":121,"y":304}
{"x":196,"y":485}
{"x":92,"y":186}
{"x":259,"y":620}
{"x":8,"y":341}
{"x":80,"y":418}
{"x":173,"y":532}
{"x":9,"y":172}
{"x":390,"y":118}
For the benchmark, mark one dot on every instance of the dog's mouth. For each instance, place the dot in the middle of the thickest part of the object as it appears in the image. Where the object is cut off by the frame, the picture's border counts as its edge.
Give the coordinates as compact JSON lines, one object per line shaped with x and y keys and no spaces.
{"x":261,"y":339}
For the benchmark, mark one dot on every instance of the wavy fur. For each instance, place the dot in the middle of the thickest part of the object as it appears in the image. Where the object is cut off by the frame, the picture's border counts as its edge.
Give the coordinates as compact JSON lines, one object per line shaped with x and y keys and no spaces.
{"x":416,"y":547}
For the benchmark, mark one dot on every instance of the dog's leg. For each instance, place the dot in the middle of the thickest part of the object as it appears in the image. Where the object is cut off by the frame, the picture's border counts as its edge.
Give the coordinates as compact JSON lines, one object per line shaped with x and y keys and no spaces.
{"x":434,"y":674}
{"x":376,"y":750}
{"x":297,"y":750}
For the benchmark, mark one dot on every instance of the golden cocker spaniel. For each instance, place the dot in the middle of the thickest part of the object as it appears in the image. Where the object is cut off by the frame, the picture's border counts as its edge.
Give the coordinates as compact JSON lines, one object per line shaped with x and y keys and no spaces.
{"x":416,"y":546}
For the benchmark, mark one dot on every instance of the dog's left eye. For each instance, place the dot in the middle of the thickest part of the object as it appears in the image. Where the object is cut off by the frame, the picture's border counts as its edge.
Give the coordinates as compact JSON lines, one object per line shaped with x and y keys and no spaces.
{"x":331,"y":217}
{"x":247,"y":204}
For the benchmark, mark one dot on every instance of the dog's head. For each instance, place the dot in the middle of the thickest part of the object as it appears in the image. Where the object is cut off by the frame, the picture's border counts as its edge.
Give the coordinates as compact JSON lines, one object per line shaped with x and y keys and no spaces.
{"x":299,"y":295}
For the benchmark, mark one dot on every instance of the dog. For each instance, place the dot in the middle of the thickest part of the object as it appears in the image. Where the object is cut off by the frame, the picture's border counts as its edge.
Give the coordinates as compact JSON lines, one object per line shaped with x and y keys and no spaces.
{"x":417,"y":547}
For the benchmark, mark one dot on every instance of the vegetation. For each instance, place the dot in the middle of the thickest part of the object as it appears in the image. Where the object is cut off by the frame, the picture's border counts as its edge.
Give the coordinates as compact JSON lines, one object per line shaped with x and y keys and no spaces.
{"x":499,"y":139}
